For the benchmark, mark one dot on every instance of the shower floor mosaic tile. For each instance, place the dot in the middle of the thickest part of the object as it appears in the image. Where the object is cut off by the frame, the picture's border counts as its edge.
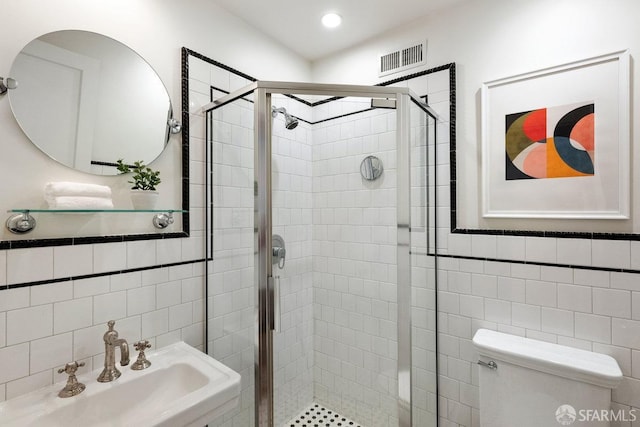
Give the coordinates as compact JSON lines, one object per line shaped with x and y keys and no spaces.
{"x":319,"y":416}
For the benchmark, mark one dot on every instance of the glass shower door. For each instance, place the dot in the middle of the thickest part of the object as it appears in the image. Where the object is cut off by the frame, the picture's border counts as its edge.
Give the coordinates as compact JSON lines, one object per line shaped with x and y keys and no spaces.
{"x":318,"y":272}
{"x":231,"y":325}
{"x":424,"y":396}
{"x":292,"y":266}
{"x":337,"y":346}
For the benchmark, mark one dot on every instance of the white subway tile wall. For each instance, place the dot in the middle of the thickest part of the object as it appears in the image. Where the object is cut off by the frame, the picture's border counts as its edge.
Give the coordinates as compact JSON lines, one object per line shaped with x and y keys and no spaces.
{"x":354,"y":255}
{"x":338,"y":342}
{"x":45,"y":326}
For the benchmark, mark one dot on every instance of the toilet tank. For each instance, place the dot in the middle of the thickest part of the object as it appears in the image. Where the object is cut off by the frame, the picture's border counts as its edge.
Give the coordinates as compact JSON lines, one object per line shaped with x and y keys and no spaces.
{"x":530,"y":383}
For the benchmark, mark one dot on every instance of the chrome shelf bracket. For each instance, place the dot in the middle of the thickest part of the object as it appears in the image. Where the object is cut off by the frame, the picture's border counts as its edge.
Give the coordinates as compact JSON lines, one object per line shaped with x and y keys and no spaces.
{"x":21,"y":223}
{"x":163,"y":220}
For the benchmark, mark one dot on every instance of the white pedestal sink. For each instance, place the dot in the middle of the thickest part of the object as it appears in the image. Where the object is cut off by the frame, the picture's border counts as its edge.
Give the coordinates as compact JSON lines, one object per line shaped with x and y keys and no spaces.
{"x":182,"y":387}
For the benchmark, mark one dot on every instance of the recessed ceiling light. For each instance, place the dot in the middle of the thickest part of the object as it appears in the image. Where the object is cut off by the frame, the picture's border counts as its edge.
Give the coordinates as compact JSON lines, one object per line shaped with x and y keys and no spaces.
{"x":331,"y":20}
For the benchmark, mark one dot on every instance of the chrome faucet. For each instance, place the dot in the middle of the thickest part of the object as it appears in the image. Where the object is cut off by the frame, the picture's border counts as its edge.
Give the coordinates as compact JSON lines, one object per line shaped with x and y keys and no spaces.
{"x":111,"y":341}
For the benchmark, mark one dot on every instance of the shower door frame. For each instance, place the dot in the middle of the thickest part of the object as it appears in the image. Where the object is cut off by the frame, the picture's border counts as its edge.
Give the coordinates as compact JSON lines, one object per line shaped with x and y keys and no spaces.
{"x":264,"y":292}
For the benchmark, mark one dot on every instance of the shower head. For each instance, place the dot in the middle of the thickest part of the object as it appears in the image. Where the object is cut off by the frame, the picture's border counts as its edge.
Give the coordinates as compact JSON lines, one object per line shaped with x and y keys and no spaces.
{"x":290,"y":122}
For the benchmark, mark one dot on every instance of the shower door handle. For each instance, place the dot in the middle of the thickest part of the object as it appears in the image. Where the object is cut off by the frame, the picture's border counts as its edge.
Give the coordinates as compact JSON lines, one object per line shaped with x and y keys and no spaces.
{"x":278,"y":251}
{"x":274,"y":282}
{"x":279,"y":255}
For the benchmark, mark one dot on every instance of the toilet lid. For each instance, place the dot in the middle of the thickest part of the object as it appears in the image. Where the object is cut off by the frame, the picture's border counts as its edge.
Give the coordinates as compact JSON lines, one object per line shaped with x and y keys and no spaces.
{"x":581,"y":365}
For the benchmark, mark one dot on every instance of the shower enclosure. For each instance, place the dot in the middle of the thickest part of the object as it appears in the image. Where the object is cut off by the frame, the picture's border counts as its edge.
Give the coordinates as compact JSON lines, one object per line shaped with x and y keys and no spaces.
{"x":321,"y":288}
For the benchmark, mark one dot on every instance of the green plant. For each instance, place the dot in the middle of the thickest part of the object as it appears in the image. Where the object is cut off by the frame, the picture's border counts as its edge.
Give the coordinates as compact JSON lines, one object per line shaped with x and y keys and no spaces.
{"x":144,"y":178}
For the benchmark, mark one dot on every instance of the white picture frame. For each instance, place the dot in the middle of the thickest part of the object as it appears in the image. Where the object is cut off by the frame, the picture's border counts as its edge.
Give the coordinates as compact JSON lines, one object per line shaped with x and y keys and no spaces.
{"x":604,"y":81}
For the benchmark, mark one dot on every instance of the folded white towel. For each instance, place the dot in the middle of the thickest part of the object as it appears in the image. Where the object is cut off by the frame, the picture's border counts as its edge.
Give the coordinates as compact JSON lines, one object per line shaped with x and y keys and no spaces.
{"x":72,"y":202}
{"x":62,"y":188}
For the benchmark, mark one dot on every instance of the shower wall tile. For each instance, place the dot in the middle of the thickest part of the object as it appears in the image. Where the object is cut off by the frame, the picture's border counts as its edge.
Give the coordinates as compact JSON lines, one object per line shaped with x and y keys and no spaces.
{"x":28,"y":324}
{"x":3,"y":329}
{"x":155,"y":276}
{"x":574,"y":251}
{"x":611,"y":253}
{"x":598,"y":278}
{"x":219,"y":78}
{"x":168,"y":250}
{"x":141,"y":253}
{"x":625,"y":333}
{"x":199,"y":70}
{"x":354,"y":255}
{"x":483,"y":246}
{"x":540,"y":249}
{"x":50,"y":352}
{"x":575,"y":298}
{"x":15,"y":362}
{"x":109,"y":257}
{"x":72,"y":260}
{"x":72,"y":314}
{"x":14,"y":298}
{"x":52,"y":293}
{"x":3,"y":268}
{"x":510,"y":247}
{"x":611,"y":302}
{"x":29,"y":265}
{"x":90,"y":287}
{"x":24,"y":385}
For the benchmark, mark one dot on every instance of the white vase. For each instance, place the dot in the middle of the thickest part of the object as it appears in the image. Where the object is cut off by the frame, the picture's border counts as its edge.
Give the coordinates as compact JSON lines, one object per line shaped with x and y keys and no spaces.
{"x":144,"y":199}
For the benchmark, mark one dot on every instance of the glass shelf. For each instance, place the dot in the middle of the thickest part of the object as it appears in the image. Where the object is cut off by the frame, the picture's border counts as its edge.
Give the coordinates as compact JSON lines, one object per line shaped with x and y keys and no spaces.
{"x":97,"y":211}
{"x":22,"y":222}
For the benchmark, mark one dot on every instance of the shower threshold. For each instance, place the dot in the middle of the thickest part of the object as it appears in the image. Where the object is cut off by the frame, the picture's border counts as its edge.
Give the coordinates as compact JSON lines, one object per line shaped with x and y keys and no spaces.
{"x":316,"y":415}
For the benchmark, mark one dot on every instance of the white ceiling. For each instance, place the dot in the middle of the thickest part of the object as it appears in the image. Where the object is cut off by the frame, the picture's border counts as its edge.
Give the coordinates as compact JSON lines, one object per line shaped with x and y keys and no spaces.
{"x":296,"y":23}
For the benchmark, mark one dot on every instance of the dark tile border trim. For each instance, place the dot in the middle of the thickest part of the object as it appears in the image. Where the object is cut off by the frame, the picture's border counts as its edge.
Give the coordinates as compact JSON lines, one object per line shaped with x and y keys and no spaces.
{"x":541,"y":264}
{"x":187,"y":51}
{"x":185,"y":140}
{"x":217,"y":89}
{"x":71,"y":241}
{"x":556,"y":234}
{"x":93,"y":275}
{"x":452,"y":95}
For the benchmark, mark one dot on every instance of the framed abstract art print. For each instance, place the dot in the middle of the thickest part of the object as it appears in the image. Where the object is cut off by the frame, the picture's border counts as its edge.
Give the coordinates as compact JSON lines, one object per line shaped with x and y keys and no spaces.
{"x":556,"y":142}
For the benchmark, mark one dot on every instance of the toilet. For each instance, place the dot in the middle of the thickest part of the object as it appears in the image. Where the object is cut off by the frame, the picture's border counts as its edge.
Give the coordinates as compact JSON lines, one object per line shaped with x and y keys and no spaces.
{"x":531,"y":383}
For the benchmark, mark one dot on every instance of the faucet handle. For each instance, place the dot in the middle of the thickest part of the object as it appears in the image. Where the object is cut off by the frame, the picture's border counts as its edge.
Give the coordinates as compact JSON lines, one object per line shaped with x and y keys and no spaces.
{"x":142,"y":345}
{"x":71,"y":368}
{"x":142,"y":362}
{"x":73,"y":387}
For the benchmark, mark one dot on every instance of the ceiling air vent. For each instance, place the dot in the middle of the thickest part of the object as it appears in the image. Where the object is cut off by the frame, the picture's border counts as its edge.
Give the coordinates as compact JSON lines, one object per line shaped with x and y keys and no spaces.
{"x":402,"y":59}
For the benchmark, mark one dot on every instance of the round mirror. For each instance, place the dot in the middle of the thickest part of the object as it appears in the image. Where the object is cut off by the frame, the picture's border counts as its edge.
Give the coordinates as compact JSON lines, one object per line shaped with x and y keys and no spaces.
{"x":87,"y":100}
{"x":371,"y":168}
